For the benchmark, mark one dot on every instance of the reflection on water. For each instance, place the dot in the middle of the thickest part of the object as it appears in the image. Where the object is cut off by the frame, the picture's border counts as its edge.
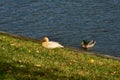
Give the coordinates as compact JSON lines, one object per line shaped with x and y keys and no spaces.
{"x":68,"y":22}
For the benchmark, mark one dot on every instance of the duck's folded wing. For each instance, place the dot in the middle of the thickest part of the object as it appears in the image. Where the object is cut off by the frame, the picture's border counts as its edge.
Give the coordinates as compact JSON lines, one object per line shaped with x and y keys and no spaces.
{"x":91,"y":42}
{"x":52,"y":44}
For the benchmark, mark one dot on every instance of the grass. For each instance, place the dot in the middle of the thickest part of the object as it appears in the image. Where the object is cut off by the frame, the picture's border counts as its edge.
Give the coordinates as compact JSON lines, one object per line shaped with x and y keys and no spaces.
{"x":27,"y":60}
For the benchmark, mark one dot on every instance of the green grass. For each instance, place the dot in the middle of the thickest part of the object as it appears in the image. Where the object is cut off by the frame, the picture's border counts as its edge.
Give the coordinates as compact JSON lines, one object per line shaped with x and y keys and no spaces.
{"x":27,"y":60}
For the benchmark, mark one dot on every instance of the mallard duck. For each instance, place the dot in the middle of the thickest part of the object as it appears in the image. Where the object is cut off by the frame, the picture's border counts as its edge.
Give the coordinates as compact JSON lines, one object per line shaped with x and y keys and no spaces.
{"x":87,"y":44}
{"x":50,"y":44}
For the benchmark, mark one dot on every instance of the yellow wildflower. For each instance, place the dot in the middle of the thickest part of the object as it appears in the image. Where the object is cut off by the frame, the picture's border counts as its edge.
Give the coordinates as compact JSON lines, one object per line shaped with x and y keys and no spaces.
{"x":92,"y":60}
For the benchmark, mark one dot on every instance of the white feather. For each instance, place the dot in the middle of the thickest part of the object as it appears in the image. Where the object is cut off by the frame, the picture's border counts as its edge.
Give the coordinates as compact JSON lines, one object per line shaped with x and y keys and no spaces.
{"x":51,"y":44}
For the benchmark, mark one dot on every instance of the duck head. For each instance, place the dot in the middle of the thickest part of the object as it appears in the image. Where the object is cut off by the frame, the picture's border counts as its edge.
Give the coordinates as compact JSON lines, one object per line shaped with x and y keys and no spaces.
{"x":45,"y":39}
{"x":84,"y":42}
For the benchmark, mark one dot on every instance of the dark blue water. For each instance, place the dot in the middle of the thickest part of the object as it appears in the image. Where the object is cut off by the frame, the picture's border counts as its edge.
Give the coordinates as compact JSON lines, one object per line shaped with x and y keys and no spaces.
{"x":65,"y":21}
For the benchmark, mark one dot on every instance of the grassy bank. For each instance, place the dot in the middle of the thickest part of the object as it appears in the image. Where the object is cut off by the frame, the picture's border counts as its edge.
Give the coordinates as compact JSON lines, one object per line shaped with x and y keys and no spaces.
{"x":27,"y":60}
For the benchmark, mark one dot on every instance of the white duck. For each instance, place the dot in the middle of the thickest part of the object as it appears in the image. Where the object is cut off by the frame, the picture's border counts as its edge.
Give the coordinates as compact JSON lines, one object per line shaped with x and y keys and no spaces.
{"x":50,"y":44}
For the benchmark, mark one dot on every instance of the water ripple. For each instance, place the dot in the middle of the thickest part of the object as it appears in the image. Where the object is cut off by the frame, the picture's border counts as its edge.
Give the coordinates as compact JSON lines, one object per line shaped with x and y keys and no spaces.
{"x":68,"y":22}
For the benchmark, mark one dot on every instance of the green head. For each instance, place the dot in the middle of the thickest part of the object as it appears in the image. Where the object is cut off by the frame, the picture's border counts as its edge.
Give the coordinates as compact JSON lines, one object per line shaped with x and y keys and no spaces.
{"x":85,"y":42}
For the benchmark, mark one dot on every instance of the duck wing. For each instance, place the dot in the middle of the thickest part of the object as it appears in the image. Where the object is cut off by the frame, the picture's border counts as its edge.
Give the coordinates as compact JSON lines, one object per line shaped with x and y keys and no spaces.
{"x":91,"y":42}
{"x":53,"y":44}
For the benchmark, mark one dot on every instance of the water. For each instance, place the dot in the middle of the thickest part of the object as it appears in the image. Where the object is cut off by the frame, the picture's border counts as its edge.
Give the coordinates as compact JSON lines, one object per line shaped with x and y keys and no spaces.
{"x":65,"y":21}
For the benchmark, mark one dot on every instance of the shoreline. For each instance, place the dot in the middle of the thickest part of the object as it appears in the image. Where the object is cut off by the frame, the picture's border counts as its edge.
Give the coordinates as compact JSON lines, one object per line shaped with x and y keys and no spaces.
{"x":66,"y":47}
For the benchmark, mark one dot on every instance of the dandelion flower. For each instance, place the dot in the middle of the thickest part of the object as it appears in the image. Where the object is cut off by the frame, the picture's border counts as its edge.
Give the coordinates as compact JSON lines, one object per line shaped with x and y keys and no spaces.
{"x":92,"y":60}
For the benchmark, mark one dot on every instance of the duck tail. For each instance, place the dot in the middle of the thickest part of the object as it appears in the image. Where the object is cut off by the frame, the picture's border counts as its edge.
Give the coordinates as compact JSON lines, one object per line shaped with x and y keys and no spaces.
{"x":62,"y":46}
